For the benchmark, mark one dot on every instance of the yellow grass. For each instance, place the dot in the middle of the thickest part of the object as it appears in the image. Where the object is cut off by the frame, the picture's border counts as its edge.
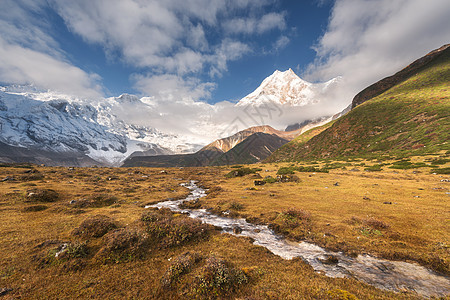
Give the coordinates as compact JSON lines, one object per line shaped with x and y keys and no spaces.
{"x":418,"y":228}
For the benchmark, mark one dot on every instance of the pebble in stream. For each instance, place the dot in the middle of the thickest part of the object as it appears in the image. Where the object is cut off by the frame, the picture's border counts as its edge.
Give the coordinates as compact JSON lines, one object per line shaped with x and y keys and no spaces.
{"x":384,"y":274}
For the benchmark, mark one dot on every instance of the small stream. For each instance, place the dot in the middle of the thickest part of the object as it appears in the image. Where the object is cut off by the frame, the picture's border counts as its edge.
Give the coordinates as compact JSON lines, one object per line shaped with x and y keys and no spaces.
{"x":384,"y":274}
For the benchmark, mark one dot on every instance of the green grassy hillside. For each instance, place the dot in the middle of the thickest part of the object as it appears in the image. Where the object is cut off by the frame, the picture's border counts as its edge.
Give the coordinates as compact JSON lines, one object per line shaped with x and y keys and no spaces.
{"x":290,"y":150}
{"x":411,"y":118}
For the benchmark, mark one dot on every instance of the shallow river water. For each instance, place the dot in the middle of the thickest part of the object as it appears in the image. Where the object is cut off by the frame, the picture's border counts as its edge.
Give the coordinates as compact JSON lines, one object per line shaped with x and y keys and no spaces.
{"x":385,"y":274}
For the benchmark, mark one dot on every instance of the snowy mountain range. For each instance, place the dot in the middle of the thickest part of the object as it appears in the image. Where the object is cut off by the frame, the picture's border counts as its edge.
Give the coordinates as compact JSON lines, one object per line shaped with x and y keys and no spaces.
{"x":47,"y":121}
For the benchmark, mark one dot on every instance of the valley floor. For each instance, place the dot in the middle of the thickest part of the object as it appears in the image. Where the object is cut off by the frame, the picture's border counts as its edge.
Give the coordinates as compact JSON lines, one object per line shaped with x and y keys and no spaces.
{"x":84,"y":232}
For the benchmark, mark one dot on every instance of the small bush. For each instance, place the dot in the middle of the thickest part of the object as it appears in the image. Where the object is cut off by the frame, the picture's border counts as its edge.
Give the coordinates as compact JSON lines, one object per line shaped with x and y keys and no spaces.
{"x":236,"y":206}
{"x":123,"y":245}
{"x":35,"y":208}
{"x":32,"y":176}
{"x":192,"y":204}
{"x":77,"y":250}
{"x":180,"y":266}
{"x":242,"y":172}
{"x":376,"y":224}
{"x":406,"y":164}
{"x":168,"y":231}
{"x":96,"y":201}
{"x":291,"y":170}
{"x":42,"y":195}
{"x":374,"y":168}
{"x":218,"y":278}
{"x":293,"y":218}
{"x":95,"y":227}
{"x":286,"y":170}
{"x":269,"y":179}
{"x":445,"y":171}
{"x":288,"y":178}
{"x":440,"y":161}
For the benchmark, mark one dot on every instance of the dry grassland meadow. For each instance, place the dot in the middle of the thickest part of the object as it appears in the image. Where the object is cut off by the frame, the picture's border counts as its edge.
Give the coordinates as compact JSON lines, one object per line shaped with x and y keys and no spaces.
{"x":85,"y":232}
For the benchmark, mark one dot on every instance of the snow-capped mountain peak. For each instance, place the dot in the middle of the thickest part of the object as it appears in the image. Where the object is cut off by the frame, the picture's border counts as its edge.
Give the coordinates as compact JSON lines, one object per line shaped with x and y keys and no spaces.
{"x":286,"y":88}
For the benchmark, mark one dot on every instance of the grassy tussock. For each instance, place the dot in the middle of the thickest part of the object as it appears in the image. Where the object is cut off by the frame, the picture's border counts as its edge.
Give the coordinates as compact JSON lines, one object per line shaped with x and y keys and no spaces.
{"x":95,"y":227}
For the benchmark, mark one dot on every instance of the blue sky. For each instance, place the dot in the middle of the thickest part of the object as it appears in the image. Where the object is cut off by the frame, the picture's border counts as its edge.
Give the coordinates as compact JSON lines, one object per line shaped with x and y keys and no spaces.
{"x":210,"y":50}
{"x":304,"y":22}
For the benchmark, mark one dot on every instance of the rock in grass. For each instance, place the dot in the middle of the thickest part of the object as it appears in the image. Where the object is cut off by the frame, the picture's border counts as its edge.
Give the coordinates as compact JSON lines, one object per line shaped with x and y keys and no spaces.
{"x":4,"y":291}
{"x":237,"y":230}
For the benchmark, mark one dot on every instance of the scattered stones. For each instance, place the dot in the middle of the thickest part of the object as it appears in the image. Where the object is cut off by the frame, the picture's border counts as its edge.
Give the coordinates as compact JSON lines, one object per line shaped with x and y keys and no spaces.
{"x":288,"y":178}
{"x":329,"y":260}
{"x":445,"y":180}
{"x":336,"y":184}
{"x":237,"y":230}
{"x":7,"y":178}
{"x":163,"y":172}
{"x":387,"y":202}
{"x":366,"y":198}
{"x":62,"y":249}
{"x":260,"y":182}
{"x":4,"y":291}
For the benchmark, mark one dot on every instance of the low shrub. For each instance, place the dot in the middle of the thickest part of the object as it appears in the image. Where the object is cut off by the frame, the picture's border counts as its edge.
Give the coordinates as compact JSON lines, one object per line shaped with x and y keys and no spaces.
{"x":77,"y":250}
{"x":168,"y":231}
{"x":287,"y":178}
{"x":269,"y":179}
{"x":35,"y":208}
{"x":374,"y":168}
{"x":192,"y":204}
{"x":96,"y":201}
{"x":180,"y":266}
{"x":42,"y":195}
{"x":123,"y":245}
{"x":286,"y":170}
{"x":440,"y":161}
{"x":95,"y":227}
{"x":445,"y":171}
{"x":292,"y":170}
{"x":406,"y":164}
{"x":236,"y":206}
{"x":293,"y":218}
{"x":218,"y":278}
{"x":242,"y":172}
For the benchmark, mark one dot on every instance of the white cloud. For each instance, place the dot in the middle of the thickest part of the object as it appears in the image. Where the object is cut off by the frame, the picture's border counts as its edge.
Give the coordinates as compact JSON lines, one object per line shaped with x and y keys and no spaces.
{"x":281,"y":43}
{"x":253,"y":25}
{"x":167,"y":36}
{"x":173,"y":88}
{"x":367,"y":40}
{"x":20,"y":65}
{"x":180,"y":38}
